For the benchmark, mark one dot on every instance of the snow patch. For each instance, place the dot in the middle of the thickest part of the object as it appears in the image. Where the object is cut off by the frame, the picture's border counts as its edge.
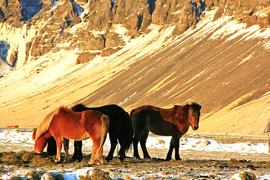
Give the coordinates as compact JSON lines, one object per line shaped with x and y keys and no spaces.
{"x":23,"y":138}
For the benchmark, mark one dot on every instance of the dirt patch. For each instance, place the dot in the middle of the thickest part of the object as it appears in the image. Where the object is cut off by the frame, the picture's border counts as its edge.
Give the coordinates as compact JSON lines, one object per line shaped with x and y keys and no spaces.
{"x":194,"y":164}
{"x":23,"y":158}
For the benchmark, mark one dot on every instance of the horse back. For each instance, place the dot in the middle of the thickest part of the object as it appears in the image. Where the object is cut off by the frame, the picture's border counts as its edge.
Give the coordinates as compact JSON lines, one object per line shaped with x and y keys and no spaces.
{"x":109,"y":110}
{"x":143,"y":108}
{"x":153,"y":121}
{"x":160,"y":121}
{"x":91,"y":119}
{"x":66,"y":123}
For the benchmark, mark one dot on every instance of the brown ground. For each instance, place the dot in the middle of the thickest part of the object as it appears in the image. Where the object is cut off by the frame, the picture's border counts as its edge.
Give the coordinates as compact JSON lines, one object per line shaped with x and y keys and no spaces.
{"x":194,"y":164}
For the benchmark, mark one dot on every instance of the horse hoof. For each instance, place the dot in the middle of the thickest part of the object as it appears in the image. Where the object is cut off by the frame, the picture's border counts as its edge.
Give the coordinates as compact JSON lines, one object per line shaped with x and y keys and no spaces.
{"x":56,"y":162}
{"x":137,"y":158}
{"x":108,"y":159}
{"x":90,"y":165}
{"x":100,"y":163}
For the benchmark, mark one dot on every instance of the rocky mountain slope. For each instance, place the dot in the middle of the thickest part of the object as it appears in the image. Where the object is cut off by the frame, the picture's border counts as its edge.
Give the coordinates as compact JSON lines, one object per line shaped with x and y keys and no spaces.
{"x":131,"y":53}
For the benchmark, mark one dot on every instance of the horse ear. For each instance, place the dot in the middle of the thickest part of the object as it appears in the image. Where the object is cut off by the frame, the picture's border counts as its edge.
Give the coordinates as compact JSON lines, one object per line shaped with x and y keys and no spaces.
{"x":34,"y":134}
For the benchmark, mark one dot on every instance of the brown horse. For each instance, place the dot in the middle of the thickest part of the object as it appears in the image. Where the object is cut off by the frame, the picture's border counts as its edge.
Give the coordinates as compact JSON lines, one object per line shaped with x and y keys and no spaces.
{"x":173,"y":122}
{"x":64,"y":124}
{"x":120,"y":130}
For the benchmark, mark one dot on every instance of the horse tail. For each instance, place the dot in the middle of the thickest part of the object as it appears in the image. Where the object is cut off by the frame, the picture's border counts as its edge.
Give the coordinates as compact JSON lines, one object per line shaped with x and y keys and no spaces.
{"x":105,"y":123}
{"x":129,"y":130}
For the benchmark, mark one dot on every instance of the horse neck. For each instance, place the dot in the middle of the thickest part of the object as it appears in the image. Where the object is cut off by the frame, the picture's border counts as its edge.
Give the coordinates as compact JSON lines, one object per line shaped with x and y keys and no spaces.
{"x":170,"y":112}
{"x":179,"y":113}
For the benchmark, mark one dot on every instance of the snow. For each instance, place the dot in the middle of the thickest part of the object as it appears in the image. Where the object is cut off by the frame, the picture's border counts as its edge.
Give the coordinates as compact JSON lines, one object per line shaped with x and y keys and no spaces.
{"x":23,"y":138}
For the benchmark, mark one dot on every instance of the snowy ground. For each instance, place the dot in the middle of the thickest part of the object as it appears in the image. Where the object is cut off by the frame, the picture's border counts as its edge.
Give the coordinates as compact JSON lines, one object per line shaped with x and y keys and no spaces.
{"x":22,"y":138}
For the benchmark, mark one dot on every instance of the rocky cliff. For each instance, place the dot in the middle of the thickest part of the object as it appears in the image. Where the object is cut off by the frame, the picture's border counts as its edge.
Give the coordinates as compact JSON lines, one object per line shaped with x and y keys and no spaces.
{"x":91,"y":26}
{"x":134,"y":52}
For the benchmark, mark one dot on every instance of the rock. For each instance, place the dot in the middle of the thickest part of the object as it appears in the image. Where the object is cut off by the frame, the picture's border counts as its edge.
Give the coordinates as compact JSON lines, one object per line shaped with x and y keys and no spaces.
{"x":244,"y":175}
{"x":247,"y":175}
{"x":134,"y":15}
{"x":48,"y":36}
{"x":86,"y":57}
{"x":96,"y":174}
{"x":113,"y":40}
{"x":187,"y":19}
{"x":10,"y":12}
{"x":52,"y":27}
{"x":100,"y":15}
{"x":13,"y":58}
{"x":109,"y":51}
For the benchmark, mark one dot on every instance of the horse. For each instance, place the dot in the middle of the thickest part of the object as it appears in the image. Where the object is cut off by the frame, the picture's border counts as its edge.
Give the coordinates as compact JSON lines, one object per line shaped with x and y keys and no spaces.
{"x":120,"y":129}
{"x":64,"y":124}
{"x":173,"y":122}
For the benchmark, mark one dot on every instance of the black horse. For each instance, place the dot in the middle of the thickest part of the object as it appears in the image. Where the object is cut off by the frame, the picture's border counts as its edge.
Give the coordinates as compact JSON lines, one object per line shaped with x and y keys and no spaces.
{"x":120,"y":129}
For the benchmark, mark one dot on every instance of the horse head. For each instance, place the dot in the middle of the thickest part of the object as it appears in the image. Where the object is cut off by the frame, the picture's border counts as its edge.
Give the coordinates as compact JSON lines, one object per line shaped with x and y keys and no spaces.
{"x":40,"y":144}
{"x":194,"y":115}
{"x":40,"y":135}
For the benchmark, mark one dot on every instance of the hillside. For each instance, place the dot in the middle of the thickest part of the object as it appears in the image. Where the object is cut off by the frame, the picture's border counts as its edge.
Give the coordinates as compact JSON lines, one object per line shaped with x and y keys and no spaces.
{"x":149,"y":52}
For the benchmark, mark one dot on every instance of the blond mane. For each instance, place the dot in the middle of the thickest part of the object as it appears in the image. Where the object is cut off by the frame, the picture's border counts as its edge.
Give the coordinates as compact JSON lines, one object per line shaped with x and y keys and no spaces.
{"x":44,"y":125}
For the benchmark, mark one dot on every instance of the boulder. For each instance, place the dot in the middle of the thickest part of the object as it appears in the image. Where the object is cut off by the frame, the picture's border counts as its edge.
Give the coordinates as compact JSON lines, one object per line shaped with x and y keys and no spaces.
{"x":86,"y":57}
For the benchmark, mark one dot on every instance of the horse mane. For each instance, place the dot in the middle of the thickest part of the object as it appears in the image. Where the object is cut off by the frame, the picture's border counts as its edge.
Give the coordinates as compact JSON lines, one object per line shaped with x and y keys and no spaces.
{"x":79,"y":107}
{"x":196,"y":107}
{"x":44,"y":125}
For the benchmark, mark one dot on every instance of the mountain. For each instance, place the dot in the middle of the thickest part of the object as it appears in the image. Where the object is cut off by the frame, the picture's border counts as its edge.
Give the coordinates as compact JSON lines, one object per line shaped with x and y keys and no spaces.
{"x":132,"y":53}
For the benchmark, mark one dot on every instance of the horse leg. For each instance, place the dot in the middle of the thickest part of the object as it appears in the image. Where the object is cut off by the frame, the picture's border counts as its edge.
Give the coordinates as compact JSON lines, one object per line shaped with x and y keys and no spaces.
{"x":136,"y":139}
{"x":113,"y":140}
{"x":92,"y":159}
{"x":143,"y":144}
{"x":122,"y":152}
{"x":169,"y":155}
{"x":176,"y":147}
{"x":77,"y":151}
{"x":74,"y":157}
{"x":97,"y":151}
{"x":51,"y":148}
{"x":66,"y":147}
{"x":59,"y":147}
{"x":138,"y":132}
{"x":100,"y":157}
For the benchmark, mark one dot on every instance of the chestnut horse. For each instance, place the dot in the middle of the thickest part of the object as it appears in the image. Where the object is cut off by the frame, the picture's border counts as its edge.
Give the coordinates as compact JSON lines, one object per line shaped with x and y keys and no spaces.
{"x":64,"y":124}
{"x":173,"y":122}
{"x":120,"y":129}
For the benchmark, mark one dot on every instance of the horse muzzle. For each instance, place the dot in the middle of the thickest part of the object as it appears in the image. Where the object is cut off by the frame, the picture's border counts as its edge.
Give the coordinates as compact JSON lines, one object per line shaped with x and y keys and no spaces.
{"x":195,"y":127}
{"x":38,"y":152}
